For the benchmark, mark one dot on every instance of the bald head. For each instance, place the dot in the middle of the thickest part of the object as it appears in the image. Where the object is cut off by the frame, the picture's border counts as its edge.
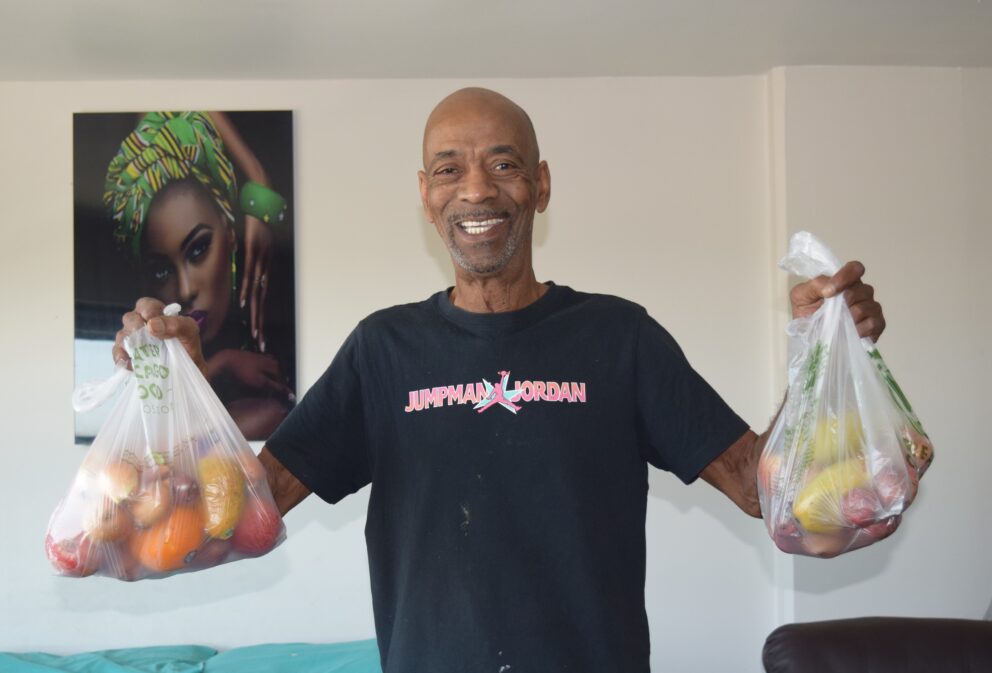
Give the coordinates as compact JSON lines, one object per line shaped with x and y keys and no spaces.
{"x":472,"y":110}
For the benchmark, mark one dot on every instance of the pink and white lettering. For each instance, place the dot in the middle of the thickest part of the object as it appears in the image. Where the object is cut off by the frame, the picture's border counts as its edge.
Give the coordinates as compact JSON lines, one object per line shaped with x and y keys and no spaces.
{"x":485,"y":395}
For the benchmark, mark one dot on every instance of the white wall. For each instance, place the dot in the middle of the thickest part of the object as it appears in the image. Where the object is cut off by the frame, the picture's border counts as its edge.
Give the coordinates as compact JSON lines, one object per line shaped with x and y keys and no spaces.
{"x":659,"y":194}
{"x":675,"y":192}
{"x":896,"y":166}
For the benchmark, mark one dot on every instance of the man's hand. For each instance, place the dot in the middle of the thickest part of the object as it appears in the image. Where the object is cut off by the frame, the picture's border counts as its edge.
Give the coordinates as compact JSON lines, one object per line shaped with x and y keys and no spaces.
{"x":867,"y":313}
{"x":149,"y":311}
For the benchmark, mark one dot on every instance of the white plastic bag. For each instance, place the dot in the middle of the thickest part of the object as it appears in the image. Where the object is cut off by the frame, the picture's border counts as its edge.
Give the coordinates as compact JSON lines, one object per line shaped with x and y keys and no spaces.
{"x":845,"y":456}
{"x":169,"y":484}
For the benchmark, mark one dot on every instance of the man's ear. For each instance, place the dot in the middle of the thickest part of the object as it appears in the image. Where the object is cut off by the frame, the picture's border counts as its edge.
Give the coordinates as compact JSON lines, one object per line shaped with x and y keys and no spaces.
{"x":422,"y":179}
{"x":543,"y":186}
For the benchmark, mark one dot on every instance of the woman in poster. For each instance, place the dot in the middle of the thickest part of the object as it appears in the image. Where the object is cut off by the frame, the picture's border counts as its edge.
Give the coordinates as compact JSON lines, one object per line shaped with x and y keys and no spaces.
{"x":172,"y":194}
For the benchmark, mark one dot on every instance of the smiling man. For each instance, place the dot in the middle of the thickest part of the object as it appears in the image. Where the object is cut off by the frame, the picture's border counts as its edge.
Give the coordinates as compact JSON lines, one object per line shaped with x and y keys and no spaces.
{"x":506,"y":520}
{"x":481,"y":185}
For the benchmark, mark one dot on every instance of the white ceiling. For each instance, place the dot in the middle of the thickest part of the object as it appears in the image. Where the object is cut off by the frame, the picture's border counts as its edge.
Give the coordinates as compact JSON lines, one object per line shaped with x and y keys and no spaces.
{"x":300,"y":39}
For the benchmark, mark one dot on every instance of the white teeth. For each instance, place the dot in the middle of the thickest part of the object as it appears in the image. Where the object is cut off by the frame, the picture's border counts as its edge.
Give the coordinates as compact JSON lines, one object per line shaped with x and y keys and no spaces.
{"x":470,"y":227}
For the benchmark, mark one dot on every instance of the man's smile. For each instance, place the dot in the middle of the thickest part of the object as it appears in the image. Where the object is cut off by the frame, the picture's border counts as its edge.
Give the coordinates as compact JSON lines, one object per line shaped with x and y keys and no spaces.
{"x":475,"y":227}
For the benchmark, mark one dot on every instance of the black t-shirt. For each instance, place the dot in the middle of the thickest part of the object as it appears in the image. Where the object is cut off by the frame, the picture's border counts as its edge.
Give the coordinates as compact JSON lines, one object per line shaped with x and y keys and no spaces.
{"x":508,"y":459}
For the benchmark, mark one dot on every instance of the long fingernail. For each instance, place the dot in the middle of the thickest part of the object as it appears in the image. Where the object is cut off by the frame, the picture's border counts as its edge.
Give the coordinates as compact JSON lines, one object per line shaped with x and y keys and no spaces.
{"x":254,"y":333}
{"x":262,"y":346}
{"x":242,"y":303}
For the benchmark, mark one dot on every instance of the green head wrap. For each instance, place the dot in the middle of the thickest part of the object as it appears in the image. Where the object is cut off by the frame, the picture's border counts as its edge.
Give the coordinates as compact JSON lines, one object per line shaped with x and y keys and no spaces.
{"x":165,"y":147}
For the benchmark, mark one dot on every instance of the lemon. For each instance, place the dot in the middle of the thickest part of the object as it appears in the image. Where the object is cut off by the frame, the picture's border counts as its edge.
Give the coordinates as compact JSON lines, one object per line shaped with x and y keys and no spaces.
{"x":817,"y":508}
{"x":838,"y":439}
{"x":222,"y":489}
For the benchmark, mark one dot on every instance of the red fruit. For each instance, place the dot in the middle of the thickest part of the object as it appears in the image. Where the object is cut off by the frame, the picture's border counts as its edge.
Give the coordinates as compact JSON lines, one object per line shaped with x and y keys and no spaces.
{"x":212,"y":553}
{"x":788,"y":537}
{"x":895,"y":487}
{"x":254,"y":472}
{"x":860,"y":507}
{"x":789,"y":544}
{"x":259,"y":528}
{"x":884,"y":528}
{"x":769,"y":478}
{"x":187,"y":491}
{"x":828,"y":545}
{"x":120,"y":563}
{"x":73,"y":557}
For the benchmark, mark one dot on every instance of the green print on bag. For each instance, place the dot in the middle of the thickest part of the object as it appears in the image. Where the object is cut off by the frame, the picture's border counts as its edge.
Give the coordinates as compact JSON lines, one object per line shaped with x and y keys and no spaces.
{"x":151,"y":379}
{"x":895,"y":391}
{"x":799,"y":436}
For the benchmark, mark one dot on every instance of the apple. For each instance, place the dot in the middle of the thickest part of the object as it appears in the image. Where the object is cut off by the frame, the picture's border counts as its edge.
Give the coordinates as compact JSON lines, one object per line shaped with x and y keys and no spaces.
{"x":121,"y":564}
{"x":73,"y":557}
{"x":884,"y":528}
{"x":212,"y":553}
{"x":896,"y":487}
{"x":259,"y":529}
{"x":788,"y":537}
{"x":254,"y":472}
{"x":860,"y":507}
{"x":186,"y":490}
{"x":828,"y":545}
{"x":769,"y":467}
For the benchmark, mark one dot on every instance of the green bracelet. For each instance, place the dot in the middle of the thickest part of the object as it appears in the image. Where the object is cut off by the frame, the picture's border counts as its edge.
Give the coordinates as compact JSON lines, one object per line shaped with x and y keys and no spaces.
{"x":263,"y":203}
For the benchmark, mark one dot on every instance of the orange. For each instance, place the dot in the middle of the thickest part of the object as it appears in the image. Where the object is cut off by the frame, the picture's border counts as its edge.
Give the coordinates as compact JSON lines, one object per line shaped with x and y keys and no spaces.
{"x":172,"y":542}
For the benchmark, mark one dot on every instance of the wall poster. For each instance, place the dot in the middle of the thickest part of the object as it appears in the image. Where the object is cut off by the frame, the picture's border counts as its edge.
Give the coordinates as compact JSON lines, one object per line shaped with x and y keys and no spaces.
{"x":194,"y":208}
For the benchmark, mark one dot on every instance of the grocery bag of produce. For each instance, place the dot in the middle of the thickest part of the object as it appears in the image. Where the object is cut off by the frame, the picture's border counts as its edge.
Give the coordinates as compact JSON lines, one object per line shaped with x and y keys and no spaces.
{"x":169,"y":484}
{"x":845,"y":456}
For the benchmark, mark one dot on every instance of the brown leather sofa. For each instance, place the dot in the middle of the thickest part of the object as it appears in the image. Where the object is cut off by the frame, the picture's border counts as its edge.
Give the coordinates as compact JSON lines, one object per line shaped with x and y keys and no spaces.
{"x":881,"y":645}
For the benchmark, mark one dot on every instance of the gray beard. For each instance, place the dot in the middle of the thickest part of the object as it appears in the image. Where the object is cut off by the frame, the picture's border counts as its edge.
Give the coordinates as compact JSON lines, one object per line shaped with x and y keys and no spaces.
{"x":493,"y":266}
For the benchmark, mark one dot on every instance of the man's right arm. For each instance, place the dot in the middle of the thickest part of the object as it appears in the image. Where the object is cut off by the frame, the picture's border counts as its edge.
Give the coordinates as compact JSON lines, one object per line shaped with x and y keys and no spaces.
{"x":287,"y":490}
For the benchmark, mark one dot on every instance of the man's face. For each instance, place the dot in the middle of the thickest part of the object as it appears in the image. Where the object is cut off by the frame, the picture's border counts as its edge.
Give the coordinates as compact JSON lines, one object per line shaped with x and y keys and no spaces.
{"x":481,"y":185}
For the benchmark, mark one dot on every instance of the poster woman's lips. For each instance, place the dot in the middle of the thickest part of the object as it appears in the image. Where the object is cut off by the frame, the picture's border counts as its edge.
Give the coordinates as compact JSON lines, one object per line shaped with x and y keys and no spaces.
{"x":199,"y":316}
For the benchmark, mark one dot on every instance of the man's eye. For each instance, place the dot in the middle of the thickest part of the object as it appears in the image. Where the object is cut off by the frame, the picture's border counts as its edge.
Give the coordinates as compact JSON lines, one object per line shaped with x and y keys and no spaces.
{"x":447,"y":170}
{"x":503,"y":166}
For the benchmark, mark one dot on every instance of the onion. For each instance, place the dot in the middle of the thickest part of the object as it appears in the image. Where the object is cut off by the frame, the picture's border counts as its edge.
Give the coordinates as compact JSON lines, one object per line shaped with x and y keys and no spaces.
{"x":152,"y":502}
{"x":106,"y":522}
{"x":118,"y":481}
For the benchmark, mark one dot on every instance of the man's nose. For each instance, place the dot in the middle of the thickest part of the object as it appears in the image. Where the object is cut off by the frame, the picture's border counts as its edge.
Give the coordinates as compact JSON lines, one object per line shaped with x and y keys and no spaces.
{"x":477,"y":186}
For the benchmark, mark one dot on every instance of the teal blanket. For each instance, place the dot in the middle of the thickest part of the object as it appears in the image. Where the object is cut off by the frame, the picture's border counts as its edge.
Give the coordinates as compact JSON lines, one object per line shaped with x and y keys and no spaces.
{"x":355,"y":657}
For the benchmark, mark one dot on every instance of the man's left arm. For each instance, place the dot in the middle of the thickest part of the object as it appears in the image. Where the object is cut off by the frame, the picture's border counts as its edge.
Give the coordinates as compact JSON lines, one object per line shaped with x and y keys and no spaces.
{"x":735,"y":471}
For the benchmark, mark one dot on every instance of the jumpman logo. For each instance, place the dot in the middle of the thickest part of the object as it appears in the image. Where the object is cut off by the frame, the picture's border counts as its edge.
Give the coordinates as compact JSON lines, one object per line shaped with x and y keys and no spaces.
{"x":498,"y":394}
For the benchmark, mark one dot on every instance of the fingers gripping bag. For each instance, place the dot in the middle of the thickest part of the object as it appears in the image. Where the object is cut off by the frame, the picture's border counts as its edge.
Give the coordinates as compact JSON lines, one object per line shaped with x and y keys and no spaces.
{"x":846,"y":454}
{"x":169,"y":485}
